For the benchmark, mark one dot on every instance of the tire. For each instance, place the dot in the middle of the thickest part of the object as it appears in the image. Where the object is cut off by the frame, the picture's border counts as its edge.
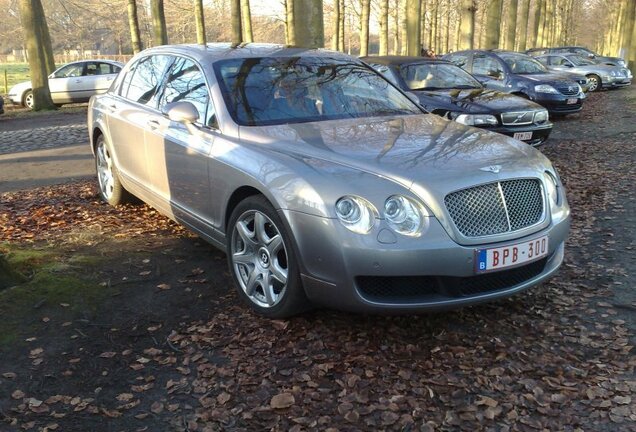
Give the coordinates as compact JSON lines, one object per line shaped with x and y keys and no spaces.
{"x":27,"y":100}
{"x":262,"y":260}
{"x":110,"y":188}
{"x":595,"y":83}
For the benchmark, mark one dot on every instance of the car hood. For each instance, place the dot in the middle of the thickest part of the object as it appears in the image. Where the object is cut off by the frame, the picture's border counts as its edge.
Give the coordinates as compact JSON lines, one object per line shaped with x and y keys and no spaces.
{"x":20,"y":87}
{"x":424,"y":153}
{"x":474,"y":101}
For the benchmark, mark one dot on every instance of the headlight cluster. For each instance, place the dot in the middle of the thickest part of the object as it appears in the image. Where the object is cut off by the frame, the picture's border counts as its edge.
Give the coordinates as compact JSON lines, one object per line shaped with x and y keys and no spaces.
{"x":403,"y":215}
{"x":356,"y":213}
{"x":545,"y":88}
{"x":541,"y":117}
{"x":553,"y":188}
{"x":614,"y":73}
{"x":475,"y":119}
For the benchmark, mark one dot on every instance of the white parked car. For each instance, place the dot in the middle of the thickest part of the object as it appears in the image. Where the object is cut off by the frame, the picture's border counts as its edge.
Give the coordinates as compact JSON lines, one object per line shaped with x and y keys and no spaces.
{"x":71,"y":83}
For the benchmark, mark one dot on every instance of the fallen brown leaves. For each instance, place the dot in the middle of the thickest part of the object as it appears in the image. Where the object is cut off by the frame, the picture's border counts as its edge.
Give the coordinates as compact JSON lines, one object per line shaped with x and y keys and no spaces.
{"x":556,"y":358}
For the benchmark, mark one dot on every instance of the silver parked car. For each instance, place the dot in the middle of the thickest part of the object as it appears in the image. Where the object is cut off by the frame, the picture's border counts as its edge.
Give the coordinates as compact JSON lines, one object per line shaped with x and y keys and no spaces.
{"x":324,"y":183}
{"x":599,"y":75}
{"x":72,"y":83}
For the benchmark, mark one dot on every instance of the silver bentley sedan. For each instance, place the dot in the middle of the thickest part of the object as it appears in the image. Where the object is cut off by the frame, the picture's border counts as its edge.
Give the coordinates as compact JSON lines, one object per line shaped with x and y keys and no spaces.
{"x":324,"y":183}
{"x":599,"y":75}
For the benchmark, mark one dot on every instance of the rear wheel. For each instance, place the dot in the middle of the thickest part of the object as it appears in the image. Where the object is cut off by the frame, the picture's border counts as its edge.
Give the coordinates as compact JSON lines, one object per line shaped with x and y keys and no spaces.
{"x":595,"y":83}
{"x":110,"y":188}
{"x":262,"y":260}
{"x":28,"y":99}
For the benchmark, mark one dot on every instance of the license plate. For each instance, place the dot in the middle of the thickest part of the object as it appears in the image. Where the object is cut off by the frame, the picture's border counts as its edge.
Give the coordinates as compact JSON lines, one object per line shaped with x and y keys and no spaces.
{"x":511,"y":256}
{"x":572,"y":101}
{"x":522,"y":136}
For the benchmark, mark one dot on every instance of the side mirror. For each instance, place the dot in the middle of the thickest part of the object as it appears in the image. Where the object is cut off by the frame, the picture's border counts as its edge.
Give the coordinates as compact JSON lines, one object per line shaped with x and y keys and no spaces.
{"x":181,"y":112}
{"x":185,"y":113}
{"x":567,"y":65}
{"x":591,"y":56}
{"x":496,"y":74}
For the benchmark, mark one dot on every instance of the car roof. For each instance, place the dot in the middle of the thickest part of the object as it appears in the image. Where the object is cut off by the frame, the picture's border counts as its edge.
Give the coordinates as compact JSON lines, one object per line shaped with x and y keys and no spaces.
{"x":221,"y":51}
{"x":395,"y":60}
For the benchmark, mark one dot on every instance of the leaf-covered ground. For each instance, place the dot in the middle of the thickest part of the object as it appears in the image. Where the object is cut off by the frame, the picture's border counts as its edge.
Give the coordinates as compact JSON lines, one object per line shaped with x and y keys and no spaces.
{"x":154,"y":337}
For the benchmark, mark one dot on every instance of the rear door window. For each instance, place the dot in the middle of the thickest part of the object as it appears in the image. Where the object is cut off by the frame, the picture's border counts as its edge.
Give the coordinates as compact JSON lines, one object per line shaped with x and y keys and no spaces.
{"x":144,"y":78}
{"x":486,"y":65}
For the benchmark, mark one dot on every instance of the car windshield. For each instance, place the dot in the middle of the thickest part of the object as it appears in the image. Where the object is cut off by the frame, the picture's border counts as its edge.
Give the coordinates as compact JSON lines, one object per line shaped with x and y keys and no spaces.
{"x":434,"y":76}
{"x":524,"y":65}
{"x":270,"y":91}
{"x":580,"y":61}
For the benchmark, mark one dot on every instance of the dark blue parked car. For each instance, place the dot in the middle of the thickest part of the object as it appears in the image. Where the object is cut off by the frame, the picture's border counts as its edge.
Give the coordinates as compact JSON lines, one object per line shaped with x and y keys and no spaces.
{"x":449,"y":91}
{"x":520,"y":74}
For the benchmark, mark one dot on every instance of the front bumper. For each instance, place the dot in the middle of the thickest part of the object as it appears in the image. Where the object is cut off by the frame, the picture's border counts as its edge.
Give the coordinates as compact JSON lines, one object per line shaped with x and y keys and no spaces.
{"x":558,"y":103}
{"x":540,"y":133}
{"x":614,"y":82}
{"x":15,"y":99}
{"x":343,"y":270}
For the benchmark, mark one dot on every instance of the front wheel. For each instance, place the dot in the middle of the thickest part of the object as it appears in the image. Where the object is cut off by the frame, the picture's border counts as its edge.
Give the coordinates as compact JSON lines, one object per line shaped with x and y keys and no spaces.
{"x":595,"y":83}
{"x":262,"y":260}
{"x":110,"y":188}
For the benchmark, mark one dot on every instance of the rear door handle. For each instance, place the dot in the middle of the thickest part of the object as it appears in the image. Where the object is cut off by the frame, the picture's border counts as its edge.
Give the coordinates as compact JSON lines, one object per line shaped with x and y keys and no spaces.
{"x":153,"y":124}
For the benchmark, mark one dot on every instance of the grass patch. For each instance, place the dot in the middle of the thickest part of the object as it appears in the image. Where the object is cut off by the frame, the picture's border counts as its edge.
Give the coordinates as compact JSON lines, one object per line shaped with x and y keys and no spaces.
{"x":16,"y":73}
{"x":55,"y":286}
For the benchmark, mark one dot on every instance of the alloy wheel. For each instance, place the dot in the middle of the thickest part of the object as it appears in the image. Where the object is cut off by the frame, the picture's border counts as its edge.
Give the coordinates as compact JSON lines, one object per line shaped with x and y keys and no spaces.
{"x":105,"y":171}
{"x":259,"y":258}
{"x":593,"y":84}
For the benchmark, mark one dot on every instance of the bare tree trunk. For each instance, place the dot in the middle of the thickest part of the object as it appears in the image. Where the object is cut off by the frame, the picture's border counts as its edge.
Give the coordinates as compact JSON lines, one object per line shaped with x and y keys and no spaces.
{"x":434,"y":27}
{"x":290,"y":22}
{"x":467,"y":24}
{"x":523,"y":25}
{"x":32,"y":21}
{"x":384,"y":27}
{"x":308,"y":23}
{"x":493,"y":24}
{"x":511,"y":29}
{"x":237,"y":28}
{"x":423,"y":27}
{"x":413,"y":32}
{"x":537,"y":41}
{"x":396,"y":28}
{"x":159,"y":31}
{"x":46,"y":40}
{"x":341,"y":27}
{"x":403,"y":29}
{"x":335,"y":26}
{"x":631,"y":53}
{"x":246,"y":15}
{"x":364,"y":27}
{"x":199,"y":19}
{"x":447,"y":30}
{"x":133,"y":24}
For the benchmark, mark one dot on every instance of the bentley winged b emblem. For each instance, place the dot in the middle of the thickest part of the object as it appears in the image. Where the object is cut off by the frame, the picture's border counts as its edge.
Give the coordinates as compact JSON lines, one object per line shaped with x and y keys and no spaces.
{"x":492,"y":168}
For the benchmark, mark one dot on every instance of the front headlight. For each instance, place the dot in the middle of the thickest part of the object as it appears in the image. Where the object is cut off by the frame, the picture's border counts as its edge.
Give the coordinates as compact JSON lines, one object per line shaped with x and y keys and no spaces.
{"x":614,"y":73}
{"x":477,"y":119}
{"x":552,"y":185}
{"x":545,"y":88}
{"x":541,"y":117}
{"x":356,"y":214}
{"x":405,"y":216}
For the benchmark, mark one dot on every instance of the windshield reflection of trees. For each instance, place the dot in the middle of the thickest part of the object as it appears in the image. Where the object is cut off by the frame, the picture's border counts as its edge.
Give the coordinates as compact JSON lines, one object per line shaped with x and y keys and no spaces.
{"x":267,"y":91}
